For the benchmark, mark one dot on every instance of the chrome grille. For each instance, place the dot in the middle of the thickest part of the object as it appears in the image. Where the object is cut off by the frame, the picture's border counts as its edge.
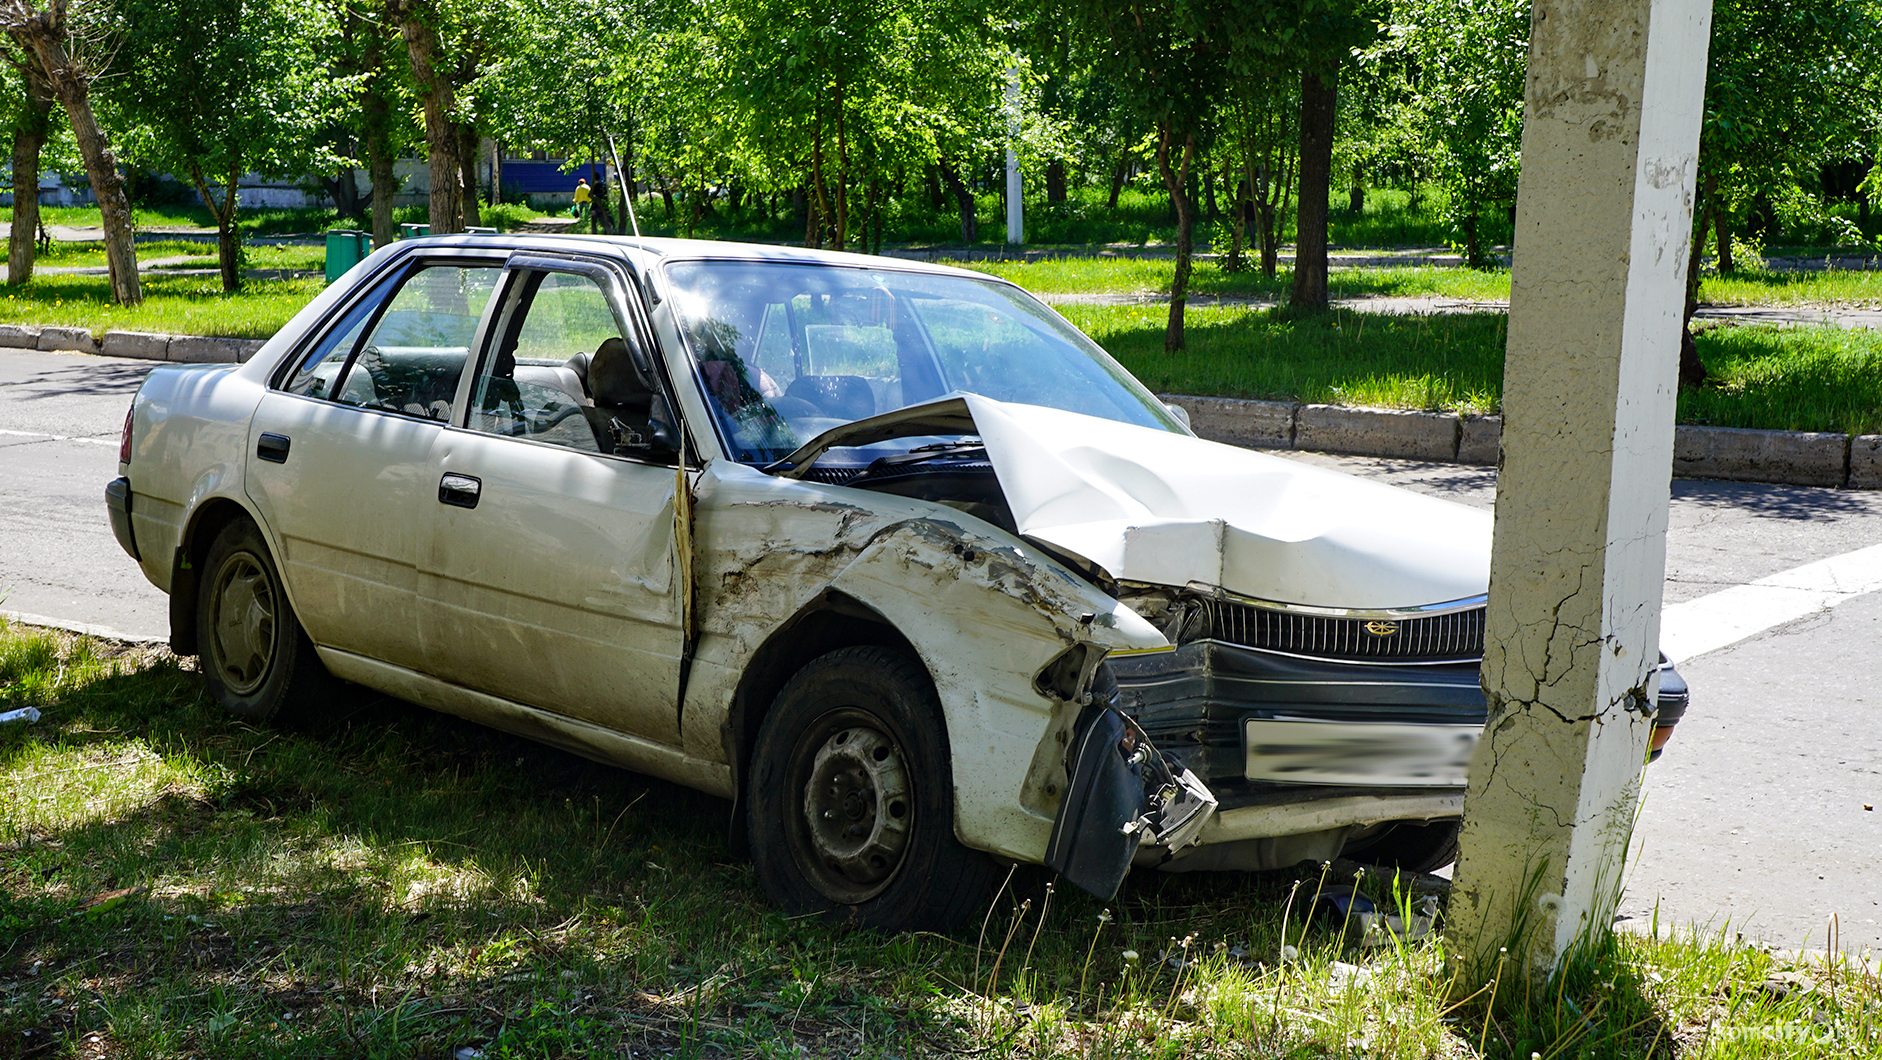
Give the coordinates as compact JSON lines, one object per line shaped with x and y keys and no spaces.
{"x":1454,"y":635}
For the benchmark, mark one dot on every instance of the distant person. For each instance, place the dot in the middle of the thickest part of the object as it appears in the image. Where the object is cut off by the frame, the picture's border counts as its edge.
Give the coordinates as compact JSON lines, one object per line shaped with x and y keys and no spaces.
{"x":583,"y":195}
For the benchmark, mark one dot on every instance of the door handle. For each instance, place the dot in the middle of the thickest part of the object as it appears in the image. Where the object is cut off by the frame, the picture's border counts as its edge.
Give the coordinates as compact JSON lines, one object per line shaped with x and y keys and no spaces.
{"x":460,"y":491}
{"x":272,"y":448}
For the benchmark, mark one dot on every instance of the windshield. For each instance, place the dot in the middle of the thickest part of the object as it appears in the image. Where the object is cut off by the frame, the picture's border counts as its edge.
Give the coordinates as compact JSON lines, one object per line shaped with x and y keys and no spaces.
{"x":787,"y":351}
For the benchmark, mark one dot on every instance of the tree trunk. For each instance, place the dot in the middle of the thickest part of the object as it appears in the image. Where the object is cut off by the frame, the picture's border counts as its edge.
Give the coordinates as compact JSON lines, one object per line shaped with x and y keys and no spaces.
{"x":31,"y":125}
{"x":1722,"y":225}
{"x":1356,"y":194}
{"x":1318,"y":99}
{"x":1118,"y":177}
{"x":343,"y":189}
{"x":467,"y":143}
{"x":1055,"y":180}
{"x":1176,"y":181}
{"x":1692,"y":371}
{"x":441,"y":143}
{"x":228,"y":238}
{"x":376,"y":125}
{"x":964,"y":199}
{"x":384,"y":186}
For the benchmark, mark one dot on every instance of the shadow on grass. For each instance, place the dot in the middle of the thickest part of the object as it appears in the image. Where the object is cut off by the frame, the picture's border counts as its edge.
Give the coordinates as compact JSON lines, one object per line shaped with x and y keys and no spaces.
{"x":397,"y":881}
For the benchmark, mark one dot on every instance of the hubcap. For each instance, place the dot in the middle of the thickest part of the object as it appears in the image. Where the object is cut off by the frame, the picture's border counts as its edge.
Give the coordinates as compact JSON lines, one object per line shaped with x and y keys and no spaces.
{"x":242,"y":623}
{"x":858,"y":808}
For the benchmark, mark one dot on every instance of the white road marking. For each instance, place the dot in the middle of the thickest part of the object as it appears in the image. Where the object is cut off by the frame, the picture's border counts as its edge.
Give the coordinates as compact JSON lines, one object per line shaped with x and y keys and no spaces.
{"x":58,"y":437}
{"x":1731,"y":615}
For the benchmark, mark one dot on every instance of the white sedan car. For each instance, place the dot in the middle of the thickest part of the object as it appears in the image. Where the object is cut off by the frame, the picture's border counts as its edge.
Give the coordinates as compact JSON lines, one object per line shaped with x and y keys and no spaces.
{"x":889,"y":555}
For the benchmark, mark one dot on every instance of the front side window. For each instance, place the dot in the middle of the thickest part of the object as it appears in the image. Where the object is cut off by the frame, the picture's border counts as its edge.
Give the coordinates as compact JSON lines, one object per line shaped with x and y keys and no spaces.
{"x":787,"y":351}
{"x":405,"y":354}
{"x":561,"y":372}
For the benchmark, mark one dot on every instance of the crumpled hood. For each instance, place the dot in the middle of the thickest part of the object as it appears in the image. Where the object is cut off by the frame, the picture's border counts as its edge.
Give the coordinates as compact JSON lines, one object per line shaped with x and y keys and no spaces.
{"x":1169,"y":509}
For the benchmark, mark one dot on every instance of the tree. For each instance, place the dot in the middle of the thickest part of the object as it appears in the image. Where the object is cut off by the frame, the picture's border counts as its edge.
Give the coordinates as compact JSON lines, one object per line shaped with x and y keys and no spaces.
{"x":32,"y":127}
{"x":1789,"y":89}
{"x":1260,"y":140}
{"x":1168,"y":68}
{"x":214,"y":89}
{"x":72,"y":50}
{"x":451,"y":44}
{"x":1469,"y":58}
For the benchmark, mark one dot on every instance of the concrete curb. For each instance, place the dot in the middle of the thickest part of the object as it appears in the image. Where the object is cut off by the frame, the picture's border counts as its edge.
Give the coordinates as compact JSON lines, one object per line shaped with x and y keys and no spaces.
{"x":1797,"y":458}
{"x":142,"y":345}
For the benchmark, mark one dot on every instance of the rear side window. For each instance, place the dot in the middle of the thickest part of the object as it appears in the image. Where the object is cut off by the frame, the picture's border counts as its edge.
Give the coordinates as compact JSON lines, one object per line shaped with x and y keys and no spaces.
{"x":404,"y":354}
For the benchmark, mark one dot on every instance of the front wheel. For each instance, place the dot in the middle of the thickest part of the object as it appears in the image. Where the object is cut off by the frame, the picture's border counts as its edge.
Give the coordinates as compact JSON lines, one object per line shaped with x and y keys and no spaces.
{"x":256,"y":660}
{"x":851,"y":800}
{"x":1414,"y":846}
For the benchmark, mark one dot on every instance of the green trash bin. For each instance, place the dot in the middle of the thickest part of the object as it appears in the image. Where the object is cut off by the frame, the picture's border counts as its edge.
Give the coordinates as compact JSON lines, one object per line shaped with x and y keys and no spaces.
{"x":345,"y":249}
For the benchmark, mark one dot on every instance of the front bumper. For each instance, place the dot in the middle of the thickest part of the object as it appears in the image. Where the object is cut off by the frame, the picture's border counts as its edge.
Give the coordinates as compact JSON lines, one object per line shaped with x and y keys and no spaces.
{"x":118,"y":503}
{"x":1211,"y":705}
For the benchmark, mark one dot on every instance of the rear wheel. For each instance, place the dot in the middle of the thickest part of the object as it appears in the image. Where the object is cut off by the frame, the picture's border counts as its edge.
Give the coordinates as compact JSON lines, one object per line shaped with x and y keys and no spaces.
{"x":1414,"y":846}
{"x":256,"y":660}
{"x":851,"y":799}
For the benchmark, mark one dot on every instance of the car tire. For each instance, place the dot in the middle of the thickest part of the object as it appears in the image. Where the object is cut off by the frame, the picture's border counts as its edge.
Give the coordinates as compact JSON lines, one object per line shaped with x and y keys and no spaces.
{"x":1413,"y":846}
{"x":852,"y":802}
{"x":255,"y":658}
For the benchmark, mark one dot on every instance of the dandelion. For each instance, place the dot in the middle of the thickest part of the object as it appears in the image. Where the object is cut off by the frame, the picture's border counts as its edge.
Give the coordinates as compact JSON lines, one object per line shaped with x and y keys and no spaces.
{"x":1130,"y":955}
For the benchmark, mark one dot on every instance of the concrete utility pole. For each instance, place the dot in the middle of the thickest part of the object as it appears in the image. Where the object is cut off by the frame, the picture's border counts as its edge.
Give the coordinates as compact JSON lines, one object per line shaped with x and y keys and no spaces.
{"x":1015,"y":209}
{"x":1603,"y":230}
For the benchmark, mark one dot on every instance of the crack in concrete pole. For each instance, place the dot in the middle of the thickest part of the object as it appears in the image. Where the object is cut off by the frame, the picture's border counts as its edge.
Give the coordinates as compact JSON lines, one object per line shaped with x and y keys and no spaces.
{"x":1610,"y":145}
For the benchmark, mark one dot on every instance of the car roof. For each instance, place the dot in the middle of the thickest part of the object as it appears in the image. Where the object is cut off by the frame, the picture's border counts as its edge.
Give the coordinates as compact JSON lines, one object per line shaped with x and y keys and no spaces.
{"x":691,"y":250}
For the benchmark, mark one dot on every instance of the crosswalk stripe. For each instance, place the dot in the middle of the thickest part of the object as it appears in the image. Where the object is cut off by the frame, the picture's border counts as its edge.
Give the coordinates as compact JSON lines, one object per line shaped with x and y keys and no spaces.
{"x":1726,"y":617}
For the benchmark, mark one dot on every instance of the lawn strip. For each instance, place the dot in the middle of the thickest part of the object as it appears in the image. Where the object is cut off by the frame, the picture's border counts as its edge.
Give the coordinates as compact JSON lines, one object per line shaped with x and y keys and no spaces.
{"x":392,"y":882}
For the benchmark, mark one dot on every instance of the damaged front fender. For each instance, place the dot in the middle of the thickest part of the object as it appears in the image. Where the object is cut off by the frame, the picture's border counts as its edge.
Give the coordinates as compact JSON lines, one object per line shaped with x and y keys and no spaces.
{"x":1125,"y":795}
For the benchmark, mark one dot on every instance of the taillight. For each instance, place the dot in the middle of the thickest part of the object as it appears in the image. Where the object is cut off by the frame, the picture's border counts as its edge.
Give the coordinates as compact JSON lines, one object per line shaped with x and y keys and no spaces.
{"x":124,"y":443}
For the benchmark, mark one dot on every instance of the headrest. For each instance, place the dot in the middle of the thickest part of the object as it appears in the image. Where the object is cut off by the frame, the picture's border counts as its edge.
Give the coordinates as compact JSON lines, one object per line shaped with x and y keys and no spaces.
{"x":612,"y":378}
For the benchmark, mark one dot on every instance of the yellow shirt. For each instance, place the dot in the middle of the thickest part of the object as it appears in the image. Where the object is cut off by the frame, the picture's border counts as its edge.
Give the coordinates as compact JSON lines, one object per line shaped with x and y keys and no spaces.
{"x":581,"y":193}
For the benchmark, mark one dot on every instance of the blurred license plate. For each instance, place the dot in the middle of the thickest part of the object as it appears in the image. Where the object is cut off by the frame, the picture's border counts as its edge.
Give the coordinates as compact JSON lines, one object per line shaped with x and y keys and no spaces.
{"x":1303,"y":751}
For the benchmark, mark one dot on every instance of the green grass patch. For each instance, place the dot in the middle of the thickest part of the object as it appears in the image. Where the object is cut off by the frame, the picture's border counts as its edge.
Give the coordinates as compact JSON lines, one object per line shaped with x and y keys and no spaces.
{"x":178,"y":305}
{"x":201,"y":254}
{"x":392,"y":882}
{"x":1149,"y":276}
{"x":1845,"y":287}
{"x":1788,"y":378}
{"x":1442,"y":363}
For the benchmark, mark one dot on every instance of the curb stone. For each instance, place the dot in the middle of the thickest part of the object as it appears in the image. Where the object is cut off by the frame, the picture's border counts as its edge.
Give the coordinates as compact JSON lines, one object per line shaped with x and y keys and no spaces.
{"x":1797,"y":458}
{"x":19,"y":336}
{"x":1803,"y":458}
{"x":1376,"y":432}
{"x":199,"y":349}
{"x":1480,"y":440}
{"x":78,"y":339}
{"x":1865,"y":462}
{"x":148,"y":345}
{"x":1254,"y":424}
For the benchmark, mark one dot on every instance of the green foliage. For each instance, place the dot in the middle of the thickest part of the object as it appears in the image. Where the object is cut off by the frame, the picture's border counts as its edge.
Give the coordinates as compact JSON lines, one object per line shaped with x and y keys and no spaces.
{"x":1792,"y":85}
{"x":1466,"y":65}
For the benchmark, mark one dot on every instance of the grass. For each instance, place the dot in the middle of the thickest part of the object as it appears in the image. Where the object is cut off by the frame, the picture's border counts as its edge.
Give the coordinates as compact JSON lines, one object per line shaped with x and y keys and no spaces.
{"x":392,"y":882}
{"x":1781,"y":378}
{"x":1796,"y":378}
{"x":1449,"y":363}
{"x":1141,"y":276}
{"x":1840,"y":287}
{"x":178,"y":305}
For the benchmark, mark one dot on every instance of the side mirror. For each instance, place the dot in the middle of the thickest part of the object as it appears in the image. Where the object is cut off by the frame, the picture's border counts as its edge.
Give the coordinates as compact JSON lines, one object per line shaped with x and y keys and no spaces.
{"x":663,"y":425}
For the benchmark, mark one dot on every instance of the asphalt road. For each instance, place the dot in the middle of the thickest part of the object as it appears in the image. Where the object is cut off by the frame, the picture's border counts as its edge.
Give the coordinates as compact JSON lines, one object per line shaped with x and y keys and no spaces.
{"x":1753,"y":820}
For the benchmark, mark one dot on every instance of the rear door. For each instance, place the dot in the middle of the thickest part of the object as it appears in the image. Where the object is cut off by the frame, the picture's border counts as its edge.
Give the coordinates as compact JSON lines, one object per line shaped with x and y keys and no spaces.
{"x":550,"y":573}
{"x":340,"y":448}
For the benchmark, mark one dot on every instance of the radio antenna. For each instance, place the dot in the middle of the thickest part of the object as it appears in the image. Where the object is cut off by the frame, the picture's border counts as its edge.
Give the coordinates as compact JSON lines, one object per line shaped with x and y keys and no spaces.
{"x":627,"y":188}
